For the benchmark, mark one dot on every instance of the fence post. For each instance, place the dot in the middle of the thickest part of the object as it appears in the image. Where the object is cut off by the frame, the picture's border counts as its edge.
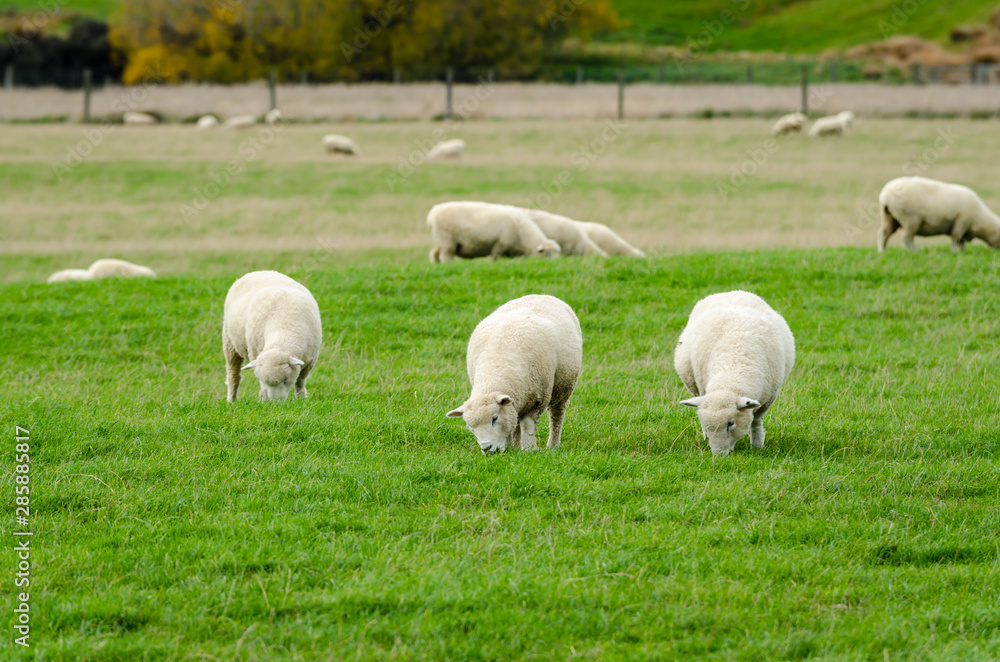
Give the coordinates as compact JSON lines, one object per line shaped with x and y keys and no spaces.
{"x":87,"y":75}
{"x":805,"y":89}
{"x":8,"y":76}
{"x":489,"y":76}
{"x":449,"y":77}
{"x":661,"y":74}
{"x":397,"y":76}
{"x":833,"y":71}
{"x":272,"y":85}
{"x":915,"y":73}
{"x":621,"y":94}
{"x":579,"y":75}
{"x":749,"y":74}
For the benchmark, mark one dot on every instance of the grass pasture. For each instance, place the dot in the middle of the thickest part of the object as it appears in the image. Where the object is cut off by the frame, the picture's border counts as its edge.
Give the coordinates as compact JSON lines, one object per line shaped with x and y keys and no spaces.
{"x":361,"y":523}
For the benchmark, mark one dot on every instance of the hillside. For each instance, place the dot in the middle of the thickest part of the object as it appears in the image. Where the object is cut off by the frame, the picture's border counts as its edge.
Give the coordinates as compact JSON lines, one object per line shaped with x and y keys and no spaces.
{"x":805,"y":26}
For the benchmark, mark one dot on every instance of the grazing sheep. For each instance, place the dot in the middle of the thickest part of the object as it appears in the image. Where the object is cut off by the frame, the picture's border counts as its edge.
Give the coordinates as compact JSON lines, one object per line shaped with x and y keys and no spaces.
{"x":926,"y":207}
{"x":207,"y":122}
{"x":68,"y":275}
{"x":342,"y":144}
{"x":134,"y":118}
{"x":478,"y":229}
{"x":240,"y":122}
{"x":449,"y":148}
{"x":274,"y":116}
{"x":273,"y":322}
{"x":522,"y":359}
{"x":833,"y":125}
{"x":111,"y":267}
{"x":564,"y":231}
{"x":608,"y":240}
{"x":734,"y":355}
{"x":791,"y":123}
{"x":846,"y":118}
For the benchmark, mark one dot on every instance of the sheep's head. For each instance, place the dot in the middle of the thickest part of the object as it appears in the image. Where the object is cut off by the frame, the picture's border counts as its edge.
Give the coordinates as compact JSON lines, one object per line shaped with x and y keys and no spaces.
{"x":277,"y":372}
{"x":548,"y":248}
{"x":725,"y":418}
{"x":492,"y":418}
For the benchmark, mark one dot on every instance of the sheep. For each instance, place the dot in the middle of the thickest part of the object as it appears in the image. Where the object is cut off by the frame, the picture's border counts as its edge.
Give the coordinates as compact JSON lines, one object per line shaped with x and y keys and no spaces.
{"x":134,"y":118}
{"x":274,"y":116}
{"x":111,"y":267}
{"x":564,"y":231}
{"x":791,"y":123}
{"x":69,"y":275}
{"x":833,"y":125}
{"x":207,"y":122}
{"x":925,"y":207}
{"x":449,"y":148}
{"x":240,"y":122}
{"x":522,"y":359}
{"x":103,"y":268}
{"x":734,"y":355}
{"x":478,"y":229}
{"x":337,"y":143}
{"x":608,"y":240}
{"x":846,"y":118}
{"x":273,"y":322}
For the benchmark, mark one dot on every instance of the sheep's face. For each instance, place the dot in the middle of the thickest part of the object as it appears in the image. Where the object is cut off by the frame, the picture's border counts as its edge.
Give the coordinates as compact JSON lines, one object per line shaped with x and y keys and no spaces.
{"x":277,"y":372}
{"x":548,"y":248}
{"x":492,"y":419}
{"x":725,"y":418}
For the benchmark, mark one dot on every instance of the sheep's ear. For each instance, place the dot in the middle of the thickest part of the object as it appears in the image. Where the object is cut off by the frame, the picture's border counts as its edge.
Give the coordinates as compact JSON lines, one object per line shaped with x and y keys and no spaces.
{"x":692,"y":402}
{"x":747,"y":403}
{"x":295,"y":361}
{"x":252,"y":364}
{"x":455,"y":413}
{"x":504,"y":400}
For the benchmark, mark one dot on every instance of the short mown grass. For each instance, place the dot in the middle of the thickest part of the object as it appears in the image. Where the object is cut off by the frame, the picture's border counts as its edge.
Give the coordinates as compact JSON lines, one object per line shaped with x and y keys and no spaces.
{"x":361,"y":523}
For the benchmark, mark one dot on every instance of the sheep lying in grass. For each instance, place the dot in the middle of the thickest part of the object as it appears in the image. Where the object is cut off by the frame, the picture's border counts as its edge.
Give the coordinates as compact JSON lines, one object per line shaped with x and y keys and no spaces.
{"x":608,"y":240}
{"x":449,"y":148}
{"x":791,"y":123}
{"x":478,"y":229}
{"x":342,"y":144}
{"x":207,"y":122}
{"x":734,"y":355}
{"x":566,"y":232}
{"x":273,"y":322}
{"x":135,"y":118}
{"x":833,"y":125}
{"x":523,"y":359}
{"x":239,"y":122}
{"x":103,"y":268}
{"x":925,"y":207}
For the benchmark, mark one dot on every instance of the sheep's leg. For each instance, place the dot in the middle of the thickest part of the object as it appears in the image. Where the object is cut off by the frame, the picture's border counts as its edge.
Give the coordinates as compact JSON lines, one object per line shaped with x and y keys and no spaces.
{"x":557,"y":412}
{"x":528,"y":428}
{"x":908,"y":241}
{"x":300,"y":383}
{"x":757,"y":428}
{"x":957,"y":245}
{"x":435,"y":255}
{"x":234,"y":364}
{"x":889,"y":225}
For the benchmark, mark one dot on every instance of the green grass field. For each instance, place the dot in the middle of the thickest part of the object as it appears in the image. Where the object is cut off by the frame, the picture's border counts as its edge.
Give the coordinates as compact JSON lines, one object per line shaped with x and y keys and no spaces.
{"x":361,"y":523}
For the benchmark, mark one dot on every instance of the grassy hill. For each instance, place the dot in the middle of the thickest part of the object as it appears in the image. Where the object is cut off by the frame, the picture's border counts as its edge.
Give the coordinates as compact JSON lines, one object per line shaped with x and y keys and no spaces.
{"x":789,"y":25}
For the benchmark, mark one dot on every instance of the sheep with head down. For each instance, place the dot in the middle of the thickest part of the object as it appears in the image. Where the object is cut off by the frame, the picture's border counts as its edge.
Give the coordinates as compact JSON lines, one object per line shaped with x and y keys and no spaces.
{"x":734,"y":356}
{"x":480,"y":229}
{"x":273,"y":323}
{"x":523,"y":359}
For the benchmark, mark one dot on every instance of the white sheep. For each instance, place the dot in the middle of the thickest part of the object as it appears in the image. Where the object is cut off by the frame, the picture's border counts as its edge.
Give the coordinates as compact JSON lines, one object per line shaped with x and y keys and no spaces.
{"x":273,"y":322}
{"x":609,"y":241}
{"x":566,"y":232}
{"x":103,"y":268}
{"x":135,"y":118}
{"x":274,"y":116}
{"x":478,"y":229}
{"x":791,"y":123}
{"x":734,"y":355}
{"x":336,"y":143}
{"x":846,"y":118}
{"x":523,"y":359}
{"x":832,"y":125}
{"x":925,"y":207}
{"x":449,"y":148}
{"x":207,"y":122}
{"x":239,"y":122}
